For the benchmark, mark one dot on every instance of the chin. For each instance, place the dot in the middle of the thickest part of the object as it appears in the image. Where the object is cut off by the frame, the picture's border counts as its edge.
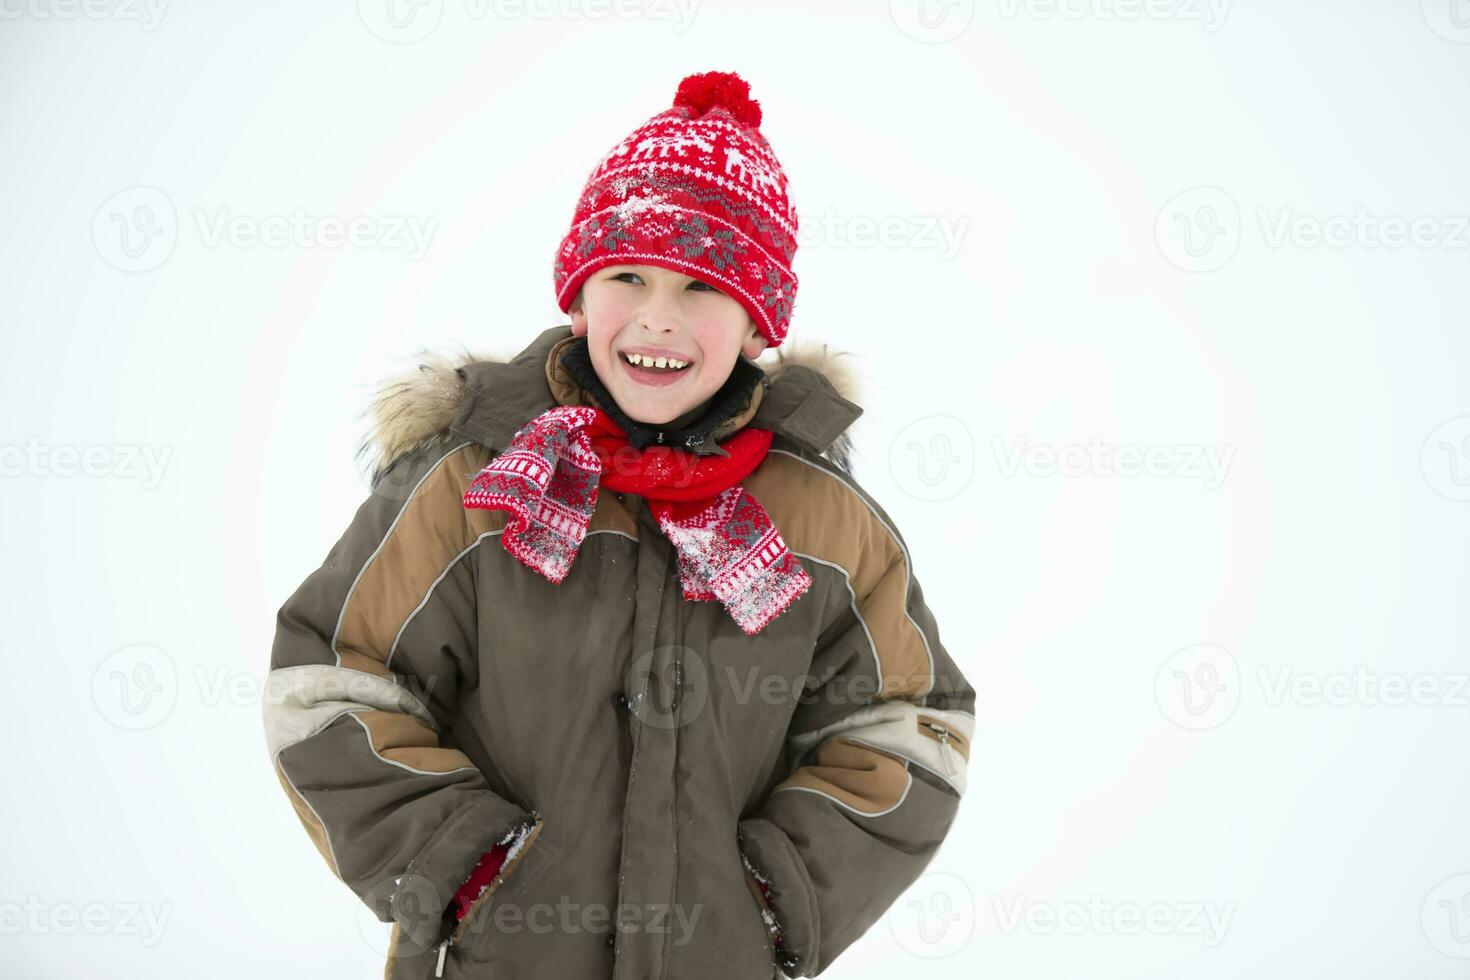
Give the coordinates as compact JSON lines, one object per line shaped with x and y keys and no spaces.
{"x":656,"y":418}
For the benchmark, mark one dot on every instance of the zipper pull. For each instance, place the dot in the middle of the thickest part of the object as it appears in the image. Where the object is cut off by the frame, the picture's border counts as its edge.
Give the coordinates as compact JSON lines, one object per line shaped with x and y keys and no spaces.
{"x":943,"y":745}
{"x":944,"y":741}
{"x":443,"y":950}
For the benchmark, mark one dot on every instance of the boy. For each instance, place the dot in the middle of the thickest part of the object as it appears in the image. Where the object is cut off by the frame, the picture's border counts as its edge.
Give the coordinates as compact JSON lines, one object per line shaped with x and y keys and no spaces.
{"x":618,"y":672}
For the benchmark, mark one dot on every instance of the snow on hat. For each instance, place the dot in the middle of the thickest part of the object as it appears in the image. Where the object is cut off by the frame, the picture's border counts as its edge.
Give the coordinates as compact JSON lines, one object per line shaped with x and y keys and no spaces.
{"x":695,"y":189}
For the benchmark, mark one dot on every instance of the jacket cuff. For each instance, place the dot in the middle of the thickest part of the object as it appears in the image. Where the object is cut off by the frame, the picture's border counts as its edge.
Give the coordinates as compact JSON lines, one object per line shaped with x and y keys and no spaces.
{"x":788,"y":891}
{"x":422,"y":900}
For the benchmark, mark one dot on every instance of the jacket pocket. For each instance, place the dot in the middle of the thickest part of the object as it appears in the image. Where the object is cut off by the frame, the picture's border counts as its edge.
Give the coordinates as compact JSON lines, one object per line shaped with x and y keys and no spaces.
{"x":764,"y":915}
{"x":475,"y":937}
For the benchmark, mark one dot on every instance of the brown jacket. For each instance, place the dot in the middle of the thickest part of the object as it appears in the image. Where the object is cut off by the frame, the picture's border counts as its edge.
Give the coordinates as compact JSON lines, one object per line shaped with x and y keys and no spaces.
{"x":429,"y":696}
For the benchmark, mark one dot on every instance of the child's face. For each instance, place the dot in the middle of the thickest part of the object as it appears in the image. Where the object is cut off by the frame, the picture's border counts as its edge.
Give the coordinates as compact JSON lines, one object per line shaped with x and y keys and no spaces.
{"x":631,"y":308}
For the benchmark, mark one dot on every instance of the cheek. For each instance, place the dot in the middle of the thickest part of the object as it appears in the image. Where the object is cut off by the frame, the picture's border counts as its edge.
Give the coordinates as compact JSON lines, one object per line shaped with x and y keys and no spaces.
{"x":604,"y":324}
{"x":612,"y":307}
{"x":717,"y":341}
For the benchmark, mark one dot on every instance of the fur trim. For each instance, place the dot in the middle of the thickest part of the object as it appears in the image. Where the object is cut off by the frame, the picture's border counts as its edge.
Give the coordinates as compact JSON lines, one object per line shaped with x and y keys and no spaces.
{"x":414,"y":407}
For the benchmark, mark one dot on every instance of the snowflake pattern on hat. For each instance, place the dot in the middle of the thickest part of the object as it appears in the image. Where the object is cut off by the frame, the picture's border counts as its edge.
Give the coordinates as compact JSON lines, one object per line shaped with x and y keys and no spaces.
{"x":718,"y":247}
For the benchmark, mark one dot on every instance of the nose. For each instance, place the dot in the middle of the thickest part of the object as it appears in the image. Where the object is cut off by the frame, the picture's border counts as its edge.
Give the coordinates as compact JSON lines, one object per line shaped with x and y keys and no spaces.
{"x":660,"y":314}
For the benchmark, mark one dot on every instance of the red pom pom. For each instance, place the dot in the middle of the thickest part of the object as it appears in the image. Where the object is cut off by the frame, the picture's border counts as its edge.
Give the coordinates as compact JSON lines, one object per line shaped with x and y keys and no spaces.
{"x":706,"y":90}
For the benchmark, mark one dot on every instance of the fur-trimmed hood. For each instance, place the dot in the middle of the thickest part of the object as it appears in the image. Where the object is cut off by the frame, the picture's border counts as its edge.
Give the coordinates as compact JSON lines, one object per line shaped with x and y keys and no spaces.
{"x":419,"y":405}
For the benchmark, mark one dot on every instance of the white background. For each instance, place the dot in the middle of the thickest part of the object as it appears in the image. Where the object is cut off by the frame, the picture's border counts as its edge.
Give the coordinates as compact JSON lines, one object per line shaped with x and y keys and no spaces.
{"x":1115,"y":176}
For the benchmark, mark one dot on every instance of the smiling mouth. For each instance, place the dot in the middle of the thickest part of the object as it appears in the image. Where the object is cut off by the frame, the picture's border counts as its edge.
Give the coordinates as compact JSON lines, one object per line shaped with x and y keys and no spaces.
{"x":653,"y":377}
{"x":646,"y":363}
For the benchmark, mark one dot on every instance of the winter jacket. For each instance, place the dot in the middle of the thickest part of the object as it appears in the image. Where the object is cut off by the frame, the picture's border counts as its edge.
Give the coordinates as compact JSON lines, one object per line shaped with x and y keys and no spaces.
{"x":430,"y":697}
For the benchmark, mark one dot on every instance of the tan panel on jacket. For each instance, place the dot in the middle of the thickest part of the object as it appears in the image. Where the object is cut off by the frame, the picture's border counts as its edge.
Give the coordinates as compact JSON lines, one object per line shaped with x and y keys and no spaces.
{"x":820,"y":514}
{"x":314,"y":828}
{"x":856,"y":776}
{"x":406,"y":740}
{"x":431,"y":532}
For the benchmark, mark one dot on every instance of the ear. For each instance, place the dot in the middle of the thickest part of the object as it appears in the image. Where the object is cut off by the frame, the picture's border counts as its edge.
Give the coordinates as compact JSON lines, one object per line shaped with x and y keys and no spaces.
{"x":579,"y":323}
{"x":755,"y":342}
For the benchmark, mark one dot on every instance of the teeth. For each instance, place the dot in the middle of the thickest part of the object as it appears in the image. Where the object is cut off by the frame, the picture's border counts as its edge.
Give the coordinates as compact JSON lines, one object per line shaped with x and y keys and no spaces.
{"x":667,"y":363}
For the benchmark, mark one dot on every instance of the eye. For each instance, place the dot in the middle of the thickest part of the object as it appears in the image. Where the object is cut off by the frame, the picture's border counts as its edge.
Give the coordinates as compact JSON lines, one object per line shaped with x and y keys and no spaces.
{"x":632,"y":278}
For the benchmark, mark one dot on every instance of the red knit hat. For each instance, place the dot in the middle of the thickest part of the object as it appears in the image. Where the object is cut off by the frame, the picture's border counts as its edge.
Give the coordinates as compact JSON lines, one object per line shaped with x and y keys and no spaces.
{"x":698,"y":190}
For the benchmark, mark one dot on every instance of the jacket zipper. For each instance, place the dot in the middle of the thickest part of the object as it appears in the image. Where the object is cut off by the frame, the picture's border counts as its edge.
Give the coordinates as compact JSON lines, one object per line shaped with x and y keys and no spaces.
{"x":692,"y":442}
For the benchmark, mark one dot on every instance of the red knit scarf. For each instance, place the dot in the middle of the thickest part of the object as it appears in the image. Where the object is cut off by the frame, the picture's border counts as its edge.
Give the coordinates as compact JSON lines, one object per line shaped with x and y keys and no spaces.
{"x":548,"y":480}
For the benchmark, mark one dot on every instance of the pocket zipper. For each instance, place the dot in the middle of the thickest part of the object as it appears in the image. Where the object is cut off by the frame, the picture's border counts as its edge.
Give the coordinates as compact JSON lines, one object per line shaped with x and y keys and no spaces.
{"x":448,"y":940}
{"x":943,"y":733}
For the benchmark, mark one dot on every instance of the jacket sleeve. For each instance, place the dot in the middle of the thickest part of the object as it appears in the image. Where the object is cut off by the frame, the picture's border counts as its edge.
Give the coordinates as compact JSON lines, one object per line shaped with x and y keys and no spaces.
{"x":879,"y":743}
{"x":370,"y":656}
